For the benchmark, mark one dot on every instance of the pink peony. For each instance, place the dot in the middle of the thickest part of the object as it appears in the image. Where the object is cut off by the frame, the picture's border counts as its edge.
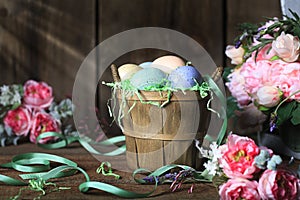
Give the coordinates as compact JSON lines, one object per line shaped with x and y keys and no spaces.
{"x":19,"y":120}
{"x":245,"y":81}
{"x":238,"y":188}
{"x":37,"y":94}
{"x":286,"y":77}
{"x":237,"y":87}
{"x":43,"y":122}
{"x":256,"y":74}
{"x":235,"y":54}
{"x":287,"y":47}
{"x":278,"y":185}
{"x":268,"y":96}
{"x":238,"y":157}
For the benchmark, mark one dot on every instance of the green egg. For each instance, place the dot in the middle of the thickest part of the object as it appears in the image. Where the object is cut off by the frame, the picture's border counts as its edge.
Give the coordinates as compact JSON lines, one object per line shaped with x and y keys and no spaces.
{"x":148,"y":77}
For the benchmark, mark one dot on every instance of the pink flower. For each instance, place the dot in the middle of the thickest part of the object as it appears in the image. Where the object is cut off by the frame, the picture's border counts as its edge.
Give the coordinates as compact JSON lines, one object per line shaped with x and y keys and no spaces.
{"x":235,"y":54}
{"x":37,"y":94}
{"x":265,"y":53}
{"x":238,"y":188}
{"x":256,"y":74}
{"x":287,"y":47}
{"x":278,"y":185}
{"x":19,"y":120}
{"x":286,"y":76}
{"x":245,"y":81}
{"x":268,"y":96}
{"x":238,"y":157}
{"x":43,"y":122}
{"x":237,"y":87}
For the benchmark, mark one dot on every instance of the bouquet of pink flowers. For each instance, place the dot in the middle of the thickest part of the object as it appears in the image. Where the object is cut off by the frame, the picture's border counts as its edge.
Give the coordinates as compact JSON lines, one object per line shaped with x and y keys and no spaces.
{"x":242,"y":170}
{"x":29,"y":110}
{"x":267,"y":69}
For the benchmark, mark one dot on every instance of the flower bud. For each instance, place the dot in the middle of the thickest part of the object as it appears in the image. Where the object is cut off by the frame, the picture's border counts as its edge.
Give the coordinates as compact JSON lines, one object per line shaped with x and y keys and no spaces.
{"x":268,"y":96}
{"x":235,"y":54}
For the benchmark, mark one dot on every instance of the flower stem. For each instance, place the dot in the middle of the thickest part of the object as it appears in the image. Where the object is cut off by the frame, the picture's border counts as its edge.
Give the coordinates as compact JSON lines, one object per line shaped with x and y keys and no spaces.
{"x":284,"y":100}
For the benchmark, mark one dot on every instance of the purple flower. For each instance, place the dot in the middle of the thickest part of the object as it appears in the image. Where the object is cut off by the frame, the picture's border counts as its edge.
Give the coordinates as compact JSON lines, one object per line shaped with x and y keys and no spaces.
{"x":238,"y":44}
{"x":273,"y":120}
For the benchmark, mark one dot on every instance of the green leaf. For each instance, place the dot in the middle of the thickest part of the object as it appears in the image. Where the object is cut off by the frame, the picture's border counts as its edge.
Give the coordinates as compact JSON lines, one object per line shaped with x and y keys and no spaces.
{"x":15,"y":106}
{"x":284,"y":112}
{"x":296,"y":115}
{"x":296,"y":31}
{"x":274,"y":58}
{"x":219,"y":180}
{"x":294,"y":14}
{"x":263,"y":108}
{"x":231,"y":106}
{"x":227,"y":71}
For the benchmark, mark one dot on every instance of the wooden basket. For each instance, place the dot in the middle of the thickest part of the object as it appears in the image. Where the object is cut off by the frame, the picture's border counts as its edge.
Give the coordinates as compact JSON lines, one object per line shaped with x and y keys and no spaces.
{"x":159,"y":136}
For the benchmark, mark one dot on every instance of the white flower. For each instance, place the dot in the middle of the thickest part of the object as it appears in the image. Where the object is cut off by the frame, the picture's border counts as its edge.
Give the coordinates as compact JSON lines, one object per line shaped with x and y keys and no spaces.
{"x":16,"y":98}
{"x":215,"y":151}
{"x":4,"y":100}
{"x":4,"y":89}
{"x":10,"y":95}
{"x":204,"y":152}
{"x":211,"y":167}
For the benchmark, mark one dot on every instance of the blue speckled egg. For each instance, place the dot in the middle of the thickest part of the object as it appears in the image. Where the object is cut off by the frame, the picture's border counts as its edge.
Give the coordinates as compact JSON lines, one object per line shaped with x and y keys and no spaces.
{"x":148,"y":77}
{"x":183,"y":77}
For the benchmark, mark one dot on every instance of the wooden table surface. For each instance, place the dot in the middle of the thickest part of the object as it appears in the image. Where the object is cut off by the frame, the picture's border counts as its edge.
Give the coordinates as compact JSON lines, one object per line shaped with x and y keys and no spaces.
{"x":203,"y":191}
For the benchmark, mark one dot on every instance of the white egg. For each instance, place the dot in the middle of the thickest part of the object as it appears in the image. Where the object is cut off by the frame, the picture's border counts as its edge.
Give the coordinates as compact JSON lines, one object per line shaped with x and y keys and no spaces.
{"x":168,"y":63}
{"x":126,"y":71}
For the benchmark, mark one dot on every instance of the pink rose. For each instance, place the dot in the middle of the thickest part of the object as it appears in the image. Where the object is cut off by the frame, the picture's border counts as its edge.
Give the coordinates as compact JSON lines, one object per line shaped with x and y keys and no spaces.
{"x":235,"y":54}
{"x":43,"y":122}
{"x":239,"y":188}
{"x":287,"y":47}
{"x":268,"y":96}
{"x":238,"y":157}
{"x":278,"y":185}
{"x":37,"y":94}
{"x":19,"y":120}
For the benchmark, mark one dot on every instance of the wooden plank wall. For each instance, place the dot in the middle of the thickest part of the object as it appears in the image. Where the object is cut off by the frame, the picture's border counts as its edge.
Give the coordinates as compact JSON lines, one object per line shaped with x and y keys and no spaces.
{"x":48,"y":39}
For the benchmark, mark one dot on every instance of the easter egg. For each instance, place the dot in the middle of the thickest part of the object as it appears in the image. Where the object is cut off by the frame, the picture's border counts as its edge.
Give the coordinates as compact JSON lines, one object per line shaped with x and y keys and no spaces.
{"x":148,"y":77}
{"x":168,"y":63}
{"x":184,"y":77}
{"x":127,"y":70}
{"x":145,"y":64}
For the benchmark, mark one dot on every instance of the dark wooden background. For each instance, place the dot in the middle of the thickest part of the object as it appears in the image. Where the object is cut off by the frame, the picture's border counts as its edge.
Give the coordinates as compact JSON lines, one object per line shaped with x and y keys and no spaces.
{"x":49,"y":39}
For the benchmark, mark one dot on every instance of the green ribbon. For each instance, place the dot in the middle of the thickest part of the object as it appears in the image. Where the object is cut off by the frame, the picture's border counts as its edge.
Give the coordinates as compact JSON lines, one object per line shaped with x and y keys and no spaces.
{"x":37,"y":181}
{"x":216,"y":90}
{"x":63,"y":141}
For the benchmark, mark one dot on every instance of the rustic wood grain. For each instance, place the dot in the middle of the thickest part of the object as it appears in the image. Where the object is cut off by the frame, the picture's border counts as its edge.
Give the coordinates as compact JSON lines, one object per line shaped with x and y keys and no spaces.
{"x":161,"y":136}
{"x":46,"y":40}
{"x":85,"y":160}
{"x":240,"y":11}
